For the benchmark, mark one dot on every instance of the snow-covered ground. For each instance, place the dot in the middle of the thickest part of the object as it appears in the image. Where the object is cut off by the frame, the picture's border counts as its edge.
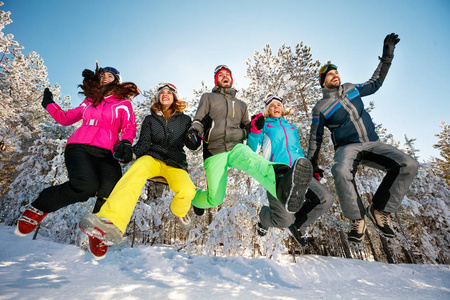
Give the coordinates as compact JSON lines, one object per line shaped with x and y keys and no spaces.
{"x":43,"y":269}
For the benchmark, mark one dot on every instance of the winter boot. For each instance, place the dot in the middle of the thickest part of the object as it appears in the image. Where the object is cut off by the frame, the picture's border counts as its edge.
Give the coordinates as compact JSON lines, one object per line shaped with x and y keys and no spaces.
{"x":101,"y":228}
{"x":357,"y":229}
{"x":29,"y":220}
{"x":184,"y":221}
{"x":292,"y":187}
{"x":97,"y":248}
{"x":199,"y":211}
{"x":300,"y":238}
{"x":381,"y":220}
{"x":261,"y":230}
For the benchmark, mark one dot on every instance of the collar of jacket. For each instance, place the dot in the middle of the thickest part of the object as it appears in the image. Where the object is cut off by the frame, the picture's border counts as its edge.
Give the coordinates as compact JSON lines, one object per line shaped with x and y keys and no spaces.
{"x":225,"y":91}
{"x":161,"y":114}
{"x":332,"y":93}
{"x":275,"y":120}
{"x":111,"y":98}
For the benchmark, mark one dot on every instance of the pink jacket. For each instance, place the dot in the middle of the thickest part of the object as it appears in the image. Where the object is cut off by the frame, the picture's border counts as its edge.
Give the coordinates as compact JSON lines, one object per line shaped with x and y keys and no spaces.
{"x":101,"y":125}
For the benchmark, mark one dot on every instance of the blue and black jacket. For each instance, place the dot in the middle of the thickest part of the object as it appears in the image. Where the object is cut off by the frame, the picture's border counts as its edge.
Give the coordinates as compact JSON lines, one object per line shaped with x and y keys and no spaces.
{"x":279,"y":141}
{"x":342,"y":111}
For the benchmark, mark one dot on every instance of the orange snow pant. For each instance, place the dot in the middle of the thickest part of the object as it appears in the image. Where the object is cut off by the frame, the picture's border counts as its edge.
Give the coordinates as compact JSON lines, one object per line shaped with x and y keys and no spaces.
{"x":120,"y":204}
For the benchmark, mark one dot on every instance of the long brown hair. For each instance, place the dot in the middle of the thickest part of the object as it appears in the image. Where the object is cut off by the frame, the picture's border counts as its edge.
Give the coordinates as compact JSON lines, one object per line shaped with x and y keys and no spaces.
{"x":93,"y":89}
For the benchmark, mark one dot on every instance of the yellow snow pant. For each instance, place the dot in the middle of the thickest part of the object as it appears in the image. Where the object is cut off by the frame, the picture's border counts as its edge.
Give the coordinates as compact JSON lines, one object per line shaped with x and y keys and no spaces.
{"x":120,"y":204}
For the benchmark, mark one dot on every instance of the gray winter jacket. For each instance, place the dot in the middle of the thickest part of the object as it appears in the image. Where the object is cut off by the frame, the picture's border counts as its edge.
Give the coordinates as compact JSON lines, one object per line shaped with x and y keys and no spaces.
{"x":222,"y":119}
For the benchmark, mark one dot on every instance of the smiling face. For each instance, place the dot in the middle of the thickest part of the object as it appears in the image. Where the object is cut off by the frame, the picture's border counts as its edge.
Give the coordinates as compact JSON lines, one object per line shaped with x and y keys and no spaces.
{"x":224,"y":79}
{"x":332,"y":80}
{"x":165,"y":98}
{"x":275,"y":109}
{"x":106,"y":77}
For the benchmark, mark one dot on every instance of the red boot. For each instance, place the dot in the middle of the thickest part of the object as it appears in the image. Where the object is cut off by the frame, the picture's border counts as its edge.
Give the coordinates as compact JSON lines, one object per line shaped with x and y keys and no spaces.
{"x":97,"y":248}
{"x":29,"y":220}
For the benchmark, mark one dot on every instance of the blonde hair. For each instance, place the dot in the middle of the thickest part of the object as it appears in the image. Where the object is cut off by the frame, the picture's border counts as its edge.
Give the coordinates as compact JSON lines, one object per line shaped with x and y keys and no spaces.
{"x":285,"y":111}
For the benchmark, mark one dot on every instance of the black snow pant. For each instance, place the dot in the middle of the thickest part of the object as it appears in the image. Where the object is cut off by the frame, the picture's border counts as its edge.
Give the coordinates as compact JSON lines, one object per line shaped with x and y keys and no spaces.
{"x":93,"y":171}
{"x":318,"y":201}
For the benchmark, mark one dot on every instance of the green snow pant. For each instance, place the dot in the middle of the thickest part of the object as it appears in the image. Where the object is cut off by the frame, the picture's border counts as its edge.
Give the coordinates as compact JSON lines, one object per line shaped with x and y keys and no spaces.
{"x":241,"y":157}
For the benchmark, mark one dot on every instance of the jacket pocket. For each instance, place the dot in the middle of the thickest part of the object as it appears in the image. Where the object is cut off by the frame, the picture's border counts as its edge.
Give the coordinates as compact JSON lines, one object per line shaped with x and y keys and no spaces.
{"x":208,"y":132}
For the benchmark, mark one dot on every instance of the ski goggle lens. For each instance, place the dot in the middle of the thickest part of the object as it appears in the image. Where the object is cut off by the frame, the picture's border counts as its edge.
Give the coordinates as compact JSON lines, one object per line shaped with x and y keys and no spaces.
{"x":109,"y":69}
{"x":220,"y":67}
{"x":170,"y":86}
{"x":325,"y":68}
{"x":271,"y":98}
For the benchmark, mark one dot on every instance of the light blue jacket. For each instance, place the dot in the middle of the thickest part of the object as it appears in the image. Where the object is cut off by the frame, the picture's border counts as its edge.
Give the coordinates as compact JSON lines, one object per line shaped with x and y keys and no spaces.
{"x":278,"y":140}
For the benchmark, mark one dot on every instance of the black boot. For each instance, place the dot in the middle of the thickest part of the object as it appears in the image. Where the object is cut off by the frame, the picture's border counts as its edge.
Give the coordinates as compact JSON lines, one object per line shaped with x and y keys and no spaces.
{"x":261,"y":230}
{"x":293,"y":185}
{"x":301,"y":239}
{"x":199,"y":211}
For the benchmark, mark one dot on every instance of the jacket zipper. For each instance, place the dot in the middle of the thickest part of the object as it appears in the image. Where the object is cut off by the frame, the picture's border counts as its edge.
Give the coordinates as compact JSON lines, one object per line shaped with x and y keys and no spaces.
{"x":287,"y":143}
{"x":351,"y":109}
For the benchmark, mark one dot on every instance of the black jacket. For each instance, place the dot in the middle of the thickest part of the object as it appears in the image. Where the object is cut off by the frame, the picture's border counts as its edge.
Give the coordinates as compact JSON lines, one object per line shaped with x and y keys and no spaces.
{"x":164,"y":140}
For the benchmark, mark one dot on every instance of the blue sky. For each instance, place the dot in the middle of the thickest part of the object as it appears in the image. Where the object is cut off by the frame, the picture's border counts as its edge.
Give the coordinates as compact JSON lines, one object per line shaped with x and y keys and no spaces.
{"x":183,"y":41}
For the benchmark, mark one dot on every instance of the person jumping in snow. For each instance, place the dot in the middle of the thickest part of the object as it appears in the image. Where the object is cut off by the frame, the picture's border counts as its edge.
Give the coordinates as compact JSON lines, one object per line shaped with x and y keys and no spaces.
{"x":279,"y":142}
{"x":224,"y":123}
{"x":108,"y":128}
{"x":160,"y":154}
{"x":342,"y":111}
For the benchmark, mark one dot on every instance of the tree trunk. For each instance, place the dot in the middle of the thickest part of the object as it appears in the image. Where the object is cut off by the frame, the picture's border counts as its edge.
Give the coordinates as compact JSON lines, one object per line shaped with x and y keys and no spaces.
{"x":345,"y":244}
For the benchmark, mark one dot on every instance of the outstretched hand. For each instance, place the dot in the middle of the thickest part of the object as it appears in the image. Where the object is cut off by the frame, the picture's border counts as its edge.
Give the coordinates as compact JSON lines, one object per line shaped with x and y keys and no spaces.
{"x":389,"y":45}
{"x":88,"y":74}
{"x":47,"y":99}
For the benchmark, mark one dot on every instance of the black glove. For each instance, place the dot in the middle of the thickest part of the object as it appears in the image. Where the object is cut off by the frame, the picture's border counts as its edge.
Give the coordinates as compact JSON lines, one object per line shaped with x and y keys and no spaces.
{"x":123,"y":152}
{"x":47,"y":99}
{"x":88,"y":74}
{"x":193,"y":139}
{"x":389,"y":45}
{"x":318,"y":173}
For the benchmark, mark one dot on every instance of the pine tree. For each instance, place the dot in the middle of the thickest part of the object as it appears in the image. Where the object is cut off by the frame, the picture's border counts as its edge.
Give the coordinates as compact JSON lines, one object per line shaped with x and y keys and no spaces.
{"x":443,"y":145}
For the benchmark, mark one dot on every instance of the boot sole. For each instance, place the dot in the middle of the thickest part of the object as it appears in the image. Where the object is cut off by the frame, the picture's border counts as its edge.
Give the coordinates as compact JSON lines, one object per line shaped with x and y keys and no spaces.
{"x":372,"y":218}
{"x":93,"y":226}
{"x":17,"y":232}
{"x":301,"y":178}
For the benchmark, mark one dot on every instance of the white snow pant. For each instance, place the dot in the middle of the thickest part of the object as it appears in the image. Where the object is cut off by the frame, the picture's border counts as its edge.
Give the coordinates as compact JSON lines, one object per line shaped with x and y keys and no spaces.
{"x":400,"y":167}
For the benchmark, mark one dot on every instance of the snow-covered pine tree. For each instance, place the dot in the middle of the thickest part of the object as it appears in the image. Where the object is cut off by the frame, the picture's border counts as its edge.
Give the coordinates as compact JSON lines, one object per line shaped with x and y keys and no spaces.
{"x":32,"y":157}
{"x":443,"y":145}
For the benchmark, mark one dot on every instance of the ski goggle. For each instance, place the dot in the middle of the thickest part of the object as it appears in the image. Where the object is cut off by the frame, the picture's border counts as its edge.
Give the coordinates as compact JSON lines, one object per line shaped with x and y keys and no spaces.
{"x":113,"y":71}
{"x":271,"y":98}
{"x":220,"y":67}
{"x":110,"y":70}
{"x":167,"y":85}
{"x":324,"y":69}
